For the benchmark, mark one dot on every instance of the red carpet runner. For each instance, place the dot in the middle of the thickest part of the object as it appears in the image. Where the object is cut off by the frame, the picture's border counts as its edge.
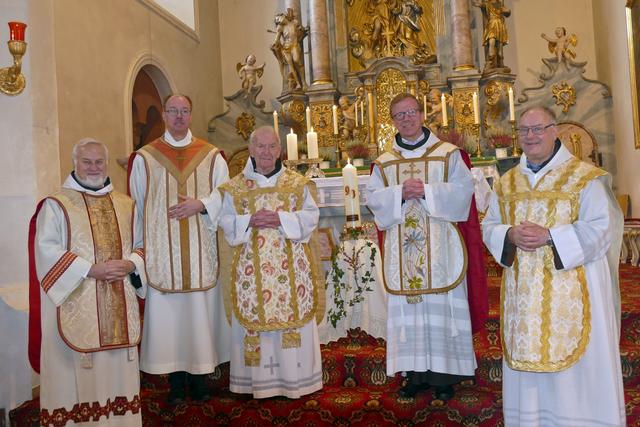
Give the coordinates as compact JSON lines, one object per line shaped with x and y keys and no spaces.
{"x":358,"y":393}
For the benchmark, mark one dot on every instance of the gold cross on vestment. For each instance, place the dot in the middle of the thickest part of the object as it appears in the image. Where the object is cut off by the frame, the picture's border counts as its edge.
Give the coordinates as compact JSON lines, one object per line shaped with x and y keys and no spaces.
{"x":412,"y":170}
{"x":180,"y":158}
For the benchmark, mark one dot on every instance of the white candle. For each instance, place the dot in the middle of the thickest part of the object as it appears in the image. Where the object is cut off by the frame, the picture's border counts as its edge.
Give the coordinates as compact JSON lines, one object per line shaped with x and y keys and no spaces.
{"x":476,"y":109}
{"x":275,"y":123}
{"x":512,"y":109}
{"x":308,"y":119}
{"x":351,"y":195}
{"x":334,"y":113}
{"x":361,"y":113}
{"x":370,"y":110}
{"x":424,"y":105}
{"x":312,"y":144}
{"x":445,"y":121}
{"x":292,"y":146}
{"x":356,"y":111}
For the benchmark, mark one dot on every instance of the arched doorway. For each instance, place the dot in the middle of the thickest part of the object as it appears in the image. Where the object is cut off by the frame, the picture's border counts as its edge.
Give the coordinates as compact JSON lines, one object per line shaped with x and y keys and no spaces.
{"x":146,"y":110}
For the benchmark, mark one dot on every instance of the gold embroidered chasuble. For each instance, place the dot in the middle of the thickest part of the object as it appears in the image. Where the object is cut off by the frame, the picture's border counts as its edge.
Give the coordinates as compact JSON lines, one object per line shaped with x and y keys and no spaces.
{"x":99,"y":315}
{"x":180,"y":256}
{"x":274,"y":283}
{"x":545,"y":316}
{"x":422,"y":255}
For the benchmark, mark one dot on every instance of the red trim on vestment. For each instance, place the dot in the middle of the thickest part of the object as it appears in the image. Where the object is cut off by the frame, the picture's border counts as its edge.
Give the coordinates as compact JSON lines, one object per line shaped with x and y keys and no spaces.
{"x":90,"y":412}
{"x":35,"y":331}
{"x":478,"y":294}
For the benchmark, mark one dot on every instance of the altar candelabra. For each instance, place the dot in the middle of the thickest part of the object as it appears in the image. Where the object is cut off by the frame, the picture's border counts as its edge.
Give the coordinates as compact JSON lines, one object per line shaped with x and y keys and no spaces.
{"x":313,"y":170}
{"x":475,"y":131}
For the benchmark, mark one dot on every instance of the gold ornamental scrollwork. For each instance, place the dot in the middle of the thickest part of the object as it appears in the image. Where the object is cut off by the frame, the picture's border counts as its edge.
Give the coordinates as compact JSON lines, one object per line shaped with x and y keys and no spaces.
{"x":565,"y":95}
{"x":494,"y":92}
{"x":389,"y":83}
{"x":245,"y":123}
{"x":322,"y":119}
{"x":463,"y":110}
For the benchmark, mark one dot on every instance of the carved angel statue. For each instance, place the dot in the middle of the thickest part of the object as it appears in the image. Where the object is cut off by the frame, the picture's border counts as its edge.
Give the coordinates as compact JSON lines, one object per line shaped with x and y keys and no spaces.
{"x":347,"y":122}
{"x":249,"y":73}
{"x":433,"y":115}
{"x":561,"y":45}
{"x":287,"y":48}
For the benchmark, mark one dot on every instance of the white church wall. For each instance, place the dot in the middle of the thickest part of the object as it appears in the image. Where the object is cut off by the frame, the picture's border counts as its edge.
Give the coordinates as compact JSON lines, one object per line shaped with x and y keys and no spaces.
{"x":611,"y":34}
{"x":29,"y":169}
{"x":94,"y":72}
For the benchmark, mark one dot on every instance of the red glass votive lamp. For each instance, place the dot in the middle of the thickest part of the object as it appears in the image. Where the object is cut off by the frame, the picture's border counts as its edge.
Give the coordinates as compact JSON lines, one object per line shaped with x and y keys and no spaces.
{"x":16,"y":30}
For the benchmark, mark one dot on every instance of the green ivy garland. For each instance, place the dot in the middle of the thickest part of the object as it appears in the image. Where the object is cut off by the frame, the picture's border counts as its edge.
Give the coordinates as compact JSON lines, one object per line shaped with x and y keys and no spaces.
{"x":362,"y":283}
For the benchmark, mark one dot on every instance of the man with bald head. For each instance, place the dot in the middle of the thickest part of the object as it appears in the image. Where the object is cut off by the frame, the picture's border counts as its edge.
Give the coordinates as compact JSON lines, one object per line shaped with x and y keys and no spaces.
{"x":554,"y":224}
{"x":85,"y":267}
{"x":268,"y":215}
{"x":174,"y":182}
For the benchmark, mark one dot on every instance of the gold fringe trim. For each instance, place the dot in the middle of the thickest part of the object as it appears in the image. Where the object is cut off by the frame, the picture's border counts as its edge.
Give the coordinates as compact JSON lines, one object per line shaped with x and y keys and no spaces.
{"x":291,"y":339}
{"x":251,"y":350}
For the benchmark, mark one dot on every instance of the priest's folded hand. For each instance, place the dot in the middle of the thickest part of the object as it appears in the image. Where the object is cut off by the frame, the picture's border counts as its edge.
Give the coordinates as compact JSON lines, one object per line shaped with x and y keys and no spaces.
{"x":528,"y":236}
{"x":265,"y":218}
{"x":412,"y":188}
{"x":115,"y":269}
{"x":186,"y":207}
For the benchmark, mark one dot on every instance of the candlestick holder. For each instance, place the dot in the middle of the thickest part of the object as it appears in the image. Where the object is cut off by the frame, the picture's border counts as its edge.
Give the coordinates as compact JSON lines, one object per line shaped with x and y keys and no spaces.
{"x":313,"y":170}
{"x":12,"y":81}
{"x":338,"y":150}
{"x":475,"y":130}
{"x":514,"y":139}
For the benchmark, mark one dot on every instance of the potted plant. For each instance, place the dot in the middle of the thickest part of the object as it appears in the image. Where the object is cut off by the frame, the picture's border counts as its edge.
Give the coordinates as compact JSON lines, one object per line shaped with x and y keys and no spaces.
{"x":326,"y":161}
{"x":500,"y":142}
{"x":358,"y":152}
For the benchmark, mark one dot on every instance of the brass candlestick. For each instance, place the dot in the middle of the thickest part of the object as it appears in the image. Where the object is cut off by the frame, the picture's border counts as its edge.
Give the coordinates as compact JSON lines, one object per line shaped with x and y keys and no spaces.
{"x":313,"y":171}
{"x":515,"y":151}
{"x":338,"y":151}
{"x":12,"y":81}
{"x":475,"y":129}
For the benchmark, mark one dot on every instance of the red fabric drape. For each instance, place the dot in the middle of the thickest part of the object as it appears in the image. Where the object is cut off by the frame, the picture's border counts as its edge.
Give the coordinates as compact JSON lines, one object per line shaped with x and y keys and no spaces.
{"x":35,"y":330}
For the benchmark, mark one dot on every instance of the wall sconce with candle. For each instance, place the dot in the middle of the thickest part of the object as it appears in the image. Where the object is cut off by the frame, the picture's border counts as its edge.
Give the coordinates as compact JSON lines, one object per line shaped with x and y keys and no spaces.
{"x":12,"y":81}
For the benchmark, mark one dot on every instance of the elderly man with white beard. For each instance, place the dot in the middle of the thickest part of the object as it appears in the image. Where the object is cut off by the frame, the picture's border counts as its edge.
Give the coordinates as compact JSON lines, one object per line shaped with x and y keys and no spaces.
{"x":268,"y":215}
{"x":86,"y":265}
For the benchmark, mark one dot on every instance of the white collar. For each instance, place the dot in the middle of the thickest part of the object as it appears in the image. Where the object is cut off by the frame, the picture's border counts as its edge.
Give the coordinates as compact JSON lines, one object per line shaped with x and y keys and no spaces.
{"x":418,"y":151}
{"x":72,"y":184}
{"x":181,"y":143}
{"x":262,"y":180}
{"x":561,"y":156}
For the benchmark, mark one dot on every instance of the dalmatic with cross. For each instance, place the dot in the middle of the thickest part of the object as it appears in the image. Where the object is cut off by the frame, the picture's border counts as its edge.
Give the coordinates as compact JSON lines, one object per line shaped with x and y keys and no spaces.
{"x":192,"y":264}
{"x":423,"y":254}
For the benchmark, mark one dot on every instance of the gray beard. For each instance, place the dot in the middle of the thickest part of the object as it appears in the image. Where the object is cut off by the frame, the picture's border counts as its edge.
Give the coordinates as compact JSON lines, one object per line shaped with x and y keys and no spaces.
{"x":91,"y":182}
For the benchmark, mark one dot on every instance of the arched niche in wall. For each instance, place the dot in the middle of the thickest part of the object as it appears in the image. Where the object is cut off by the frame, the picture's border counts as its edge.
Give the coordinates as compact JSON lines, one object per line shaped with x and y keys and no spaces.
{"x":147,"y":84}
{"x":146,"y":110}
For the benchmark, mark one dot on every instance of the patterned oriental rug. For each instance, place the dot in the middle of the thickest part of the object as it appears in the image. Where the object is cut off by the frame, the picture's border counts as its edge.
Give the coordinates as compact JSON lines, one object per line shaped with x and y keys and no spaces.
{"x":358,"y":393}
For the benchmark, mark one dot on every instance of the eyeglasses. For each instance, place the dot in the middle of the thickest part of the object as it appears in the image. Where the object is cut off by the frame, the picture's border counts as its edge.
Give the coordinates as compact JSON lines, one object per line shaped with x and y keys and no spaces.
{"x":537,"y":130}
{"x":402,"y":114}
{"x":173,"y":112}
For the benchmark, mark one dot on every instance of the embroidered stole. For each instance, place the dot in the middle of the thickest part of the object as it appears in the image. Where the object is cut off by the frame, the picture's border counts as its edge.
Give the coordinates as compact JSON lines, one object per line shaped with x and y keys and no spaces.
{"x":274,"y":280}
{"x":423,"y":255}
{"x":180,"y":256}
{"x":545,"y":316}
{"x":99,"y":315}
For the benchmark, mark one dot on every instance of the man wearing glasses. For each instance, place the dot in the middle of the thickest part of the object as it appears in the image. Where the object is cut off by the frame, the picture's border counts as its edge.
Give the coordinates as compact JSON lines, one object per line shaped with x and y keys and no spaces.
{"x":173,"y":181}
{"x":417,"y":193}
{"x":555,"y":225}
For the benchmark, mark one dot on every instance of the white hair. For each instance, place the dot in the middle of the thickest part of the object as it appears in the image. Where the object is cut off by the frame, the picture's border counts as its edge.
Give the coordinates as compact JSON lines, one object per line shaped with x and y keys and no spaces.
{"x":83,"y":143}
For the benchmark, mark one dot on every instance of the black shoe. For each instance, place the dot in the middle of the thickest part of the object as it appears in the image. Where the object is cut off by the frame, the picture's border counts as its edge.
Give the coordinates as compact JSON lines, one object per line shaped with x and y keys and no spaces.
{"x":410,"y":389}
{"x":198,"y":390}
{"x":177,"y":388}
{"x":444,"y":393}
{"x":176,"y":396}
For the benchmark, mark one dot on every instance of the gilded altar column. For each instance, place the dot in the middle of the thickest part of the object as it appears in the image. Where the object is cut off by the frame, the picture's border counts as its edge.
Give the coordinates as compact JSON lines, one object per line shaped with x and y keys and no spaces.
{"x":319,"y":38}
{"x":461,"y":37}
